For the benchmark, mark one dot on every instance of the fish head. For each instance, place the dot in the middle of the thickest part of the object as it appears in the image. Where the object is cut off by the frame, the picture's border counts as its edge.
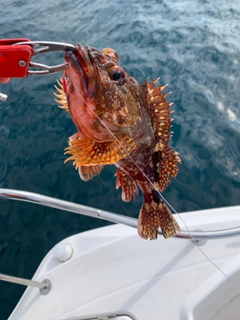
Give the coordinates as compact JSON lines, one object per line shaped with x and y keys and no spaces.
{"x":101,"y":95}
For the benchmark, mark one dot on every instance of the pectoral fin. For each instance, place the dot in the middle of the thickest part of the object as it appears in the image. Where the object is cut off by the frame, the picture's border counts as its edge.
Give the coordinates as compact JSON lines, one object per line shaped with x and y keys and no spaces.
{"x":86,"y":152}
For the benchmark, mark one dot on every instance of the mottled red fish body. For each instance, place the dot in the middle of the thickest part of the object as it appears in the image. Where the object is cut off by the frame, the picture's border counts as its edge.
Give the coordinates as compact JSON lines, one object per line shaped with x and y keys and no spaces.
{"x":124,"y":123}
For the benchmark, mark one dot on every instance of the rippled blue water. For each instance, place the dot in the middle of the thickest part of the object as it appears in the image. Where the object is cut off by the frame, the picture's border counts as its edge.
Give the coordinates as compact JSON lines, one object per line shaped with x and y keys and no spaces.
{"x":192,"y":45}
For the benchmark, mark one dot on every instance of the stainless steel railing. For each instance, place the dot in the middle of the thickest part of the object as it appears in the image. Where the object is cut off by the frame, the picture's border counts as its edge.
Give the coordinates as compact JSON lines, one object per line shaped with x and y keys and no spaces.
{"x":44,"y":286}
{"x":105,"y":215}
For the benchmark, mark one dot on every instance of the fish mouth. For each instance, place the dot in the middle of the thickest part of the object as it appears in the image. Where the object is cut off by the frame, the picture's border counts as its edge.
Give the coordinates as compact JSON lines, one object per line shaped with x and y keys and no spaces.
{"x":83,"y":64}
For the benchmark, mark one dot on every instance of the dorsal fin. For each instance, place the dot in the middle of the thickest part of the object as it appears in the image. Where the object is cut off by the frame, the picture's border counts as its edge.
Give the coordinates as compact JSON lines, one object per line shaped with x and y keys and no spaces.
{"x":165,"y":165}
{"x":159,"y":113}
{"x":164,"y":159}
{"x":86,"y":152}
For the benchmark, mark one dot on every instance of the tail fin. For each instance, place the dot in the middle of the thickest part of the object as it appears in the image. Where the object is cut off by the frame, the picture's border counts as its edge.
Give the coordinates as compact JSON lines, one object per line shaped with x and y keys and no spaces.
{"x":154,"y":215}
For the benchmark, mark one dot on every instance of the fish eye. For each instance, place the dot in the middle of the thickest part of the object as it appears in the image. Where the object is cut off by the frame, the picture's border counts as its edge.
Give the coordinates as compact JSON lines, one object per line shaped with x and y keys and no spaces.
{"x":116,"y":74}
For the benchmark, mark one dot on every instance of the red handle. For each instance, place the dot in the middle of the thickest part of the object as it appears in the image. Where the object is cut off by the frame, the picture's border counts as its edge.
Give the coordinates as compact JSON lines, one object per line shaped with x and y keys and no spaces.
{"x":14,"y":59}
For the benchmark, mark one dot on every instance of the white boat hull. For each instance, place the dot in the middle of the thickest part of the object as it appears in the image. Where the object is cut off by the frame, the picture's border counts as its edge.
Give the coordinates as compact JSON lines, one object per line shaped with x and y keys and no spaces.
{"x":113,"y":271}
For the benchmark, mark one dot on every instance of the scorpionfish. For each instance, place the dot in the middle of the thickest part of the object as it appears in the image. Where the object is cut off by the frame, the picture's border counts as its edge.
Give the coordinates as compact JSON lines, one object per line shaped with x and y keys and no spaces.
{"x":121,"y":122}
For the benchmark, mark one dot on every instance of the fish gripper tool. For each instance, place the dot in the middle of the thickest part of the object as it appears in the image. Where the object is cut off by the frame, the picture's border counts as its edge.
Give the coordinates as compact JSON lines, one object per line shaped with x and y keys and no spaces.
{"x":16,"y":55}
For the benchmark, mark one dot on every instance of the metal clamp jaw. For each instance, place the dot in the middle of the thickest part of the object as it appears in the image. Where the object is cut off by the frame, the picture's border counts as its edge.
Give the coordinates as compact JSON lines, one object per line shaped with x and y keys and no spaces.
{"x":40,"y":47}
{"x":16,"y":55}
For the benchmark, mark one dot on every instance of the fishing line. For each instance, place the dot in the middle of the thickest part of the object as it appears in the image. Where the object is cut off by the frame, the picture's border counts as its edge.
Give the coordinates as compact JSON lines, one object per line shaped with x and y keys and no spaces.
{"x":150,"y":182}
